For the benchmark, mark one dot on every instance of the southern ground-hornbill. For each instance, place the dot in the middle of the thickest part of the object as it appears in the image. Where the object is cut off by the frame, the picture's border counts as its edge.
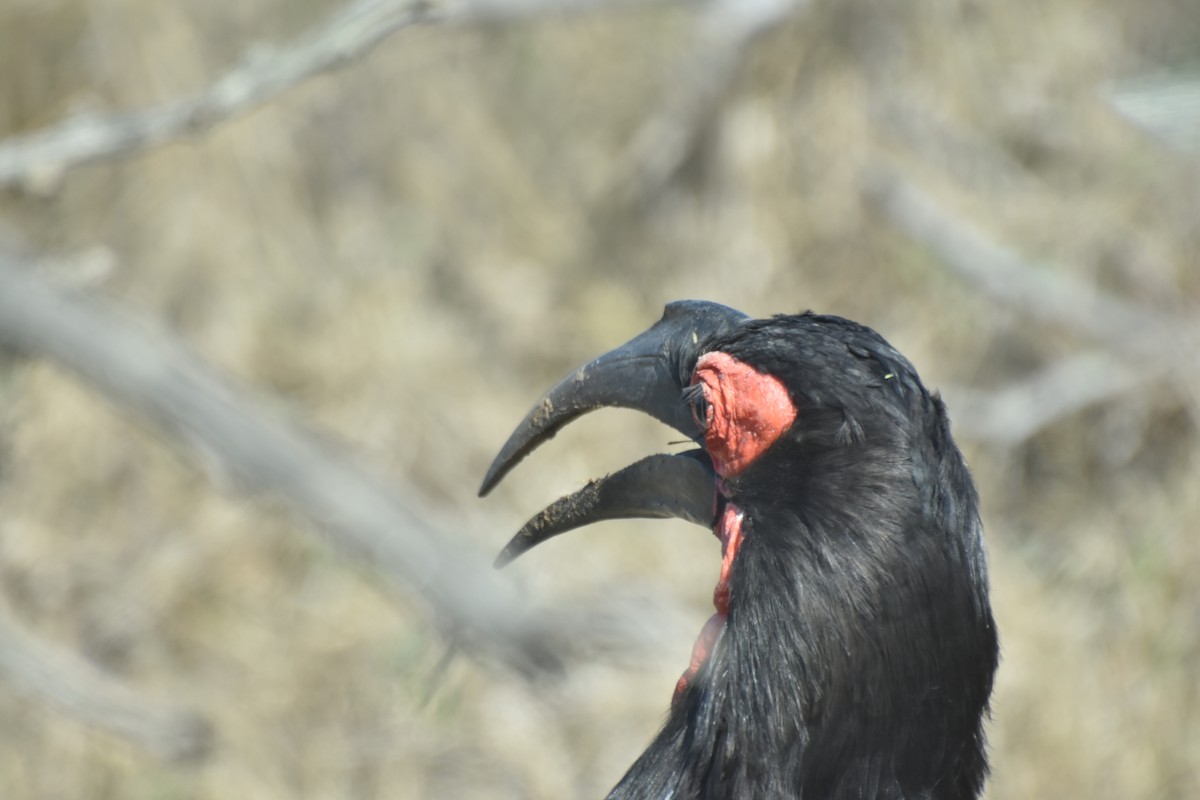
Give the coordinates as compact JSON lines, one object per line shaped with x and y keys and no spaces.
{"x":852,"y":650}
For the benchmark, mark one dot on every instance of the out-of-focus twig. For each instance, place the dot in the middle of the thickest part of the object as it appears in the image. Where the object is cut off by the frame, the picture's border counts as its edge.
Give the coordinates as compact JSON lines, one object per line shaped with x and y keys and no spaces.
{"x":1011,"y":414}
{"x":159,"y":381}
{"x":1166,"y":106}
{"x":920,"y":126}
{"x":39,"y":160}
{"x":1053,"y":295}
{"x":725,"y":29}
{"x":43,"y":157}
{"x":70,"y":683}
{"x":1147,"y":344}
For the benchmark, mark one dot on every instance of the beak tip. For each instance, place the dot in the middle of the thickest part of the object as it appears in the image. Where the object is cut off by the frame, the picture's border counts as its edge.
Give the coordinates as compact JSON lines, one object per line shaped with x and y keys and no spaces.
{"x":496,"y":472}
{"x":515,"y":547}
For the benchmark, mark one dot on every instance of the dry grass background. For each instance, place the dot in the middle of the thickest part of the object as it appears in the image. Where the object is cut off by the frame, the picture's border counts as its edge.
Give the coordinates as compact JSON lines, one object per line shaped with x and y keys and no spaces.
{"x":406,"y":252}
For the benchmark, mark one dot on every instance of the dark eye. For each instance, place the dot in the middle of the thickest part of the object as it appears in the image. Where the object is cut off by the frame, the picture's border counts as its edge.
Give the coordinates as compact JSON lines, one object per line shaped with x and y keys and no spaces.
{"x":698,"y":403}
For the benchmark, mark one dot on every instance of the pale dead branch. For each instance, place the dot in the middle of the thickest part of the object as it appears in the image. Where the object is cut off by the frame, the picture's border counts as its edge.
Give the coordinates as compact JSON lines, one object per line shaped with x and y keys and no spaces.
{"x":39,"y":160}
{"x":1141,"y":345}
{"x":1039,"y":290}
{"x":228,"y":431}
{"x":918,"y":124}
{"x":725,"y":31}
{"x":1166,"y":106}
{"x":79,"y":689}
{"x":1013,"y":413}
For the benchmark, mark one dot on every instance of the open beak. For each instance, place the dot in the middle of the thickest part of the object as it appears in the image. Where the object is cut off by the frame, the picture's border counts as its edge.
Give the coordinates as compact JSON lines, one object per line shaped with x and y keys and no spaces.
{"x":648,"y":373}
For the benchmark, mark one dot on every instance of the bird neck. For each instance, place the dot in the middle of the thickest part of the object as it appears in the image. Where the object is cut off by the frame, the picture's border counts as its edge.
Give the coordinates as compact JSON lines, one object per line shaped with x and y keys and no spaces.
{"x":858,"y":653}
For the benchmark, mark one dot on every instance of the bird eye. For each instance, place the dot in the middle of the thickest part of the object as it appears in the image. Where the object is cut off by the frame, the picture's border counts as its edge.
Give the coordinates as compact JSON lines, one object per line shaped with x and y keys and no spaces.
{"x":698,"y":403}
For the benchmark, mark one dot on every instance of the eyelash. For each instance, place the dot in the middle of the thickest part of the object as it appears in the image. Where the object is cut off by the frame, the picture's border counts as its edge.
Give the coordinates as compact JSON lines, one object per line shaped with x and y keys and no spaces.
{"x":698,"y":403}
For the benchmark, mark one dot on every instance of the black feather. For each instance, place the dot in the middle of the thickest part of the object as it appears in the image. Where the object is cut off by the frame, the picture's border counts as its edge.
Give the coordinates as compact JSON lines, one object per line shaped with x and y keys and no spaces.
{"x":858,"y":656}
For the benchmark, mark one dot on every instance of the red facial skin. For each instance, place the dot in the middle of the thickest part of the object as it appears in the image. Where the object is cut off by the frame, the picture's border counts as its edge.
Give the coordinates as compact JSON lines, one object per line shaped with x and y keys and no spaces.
{"x":747,"y":411}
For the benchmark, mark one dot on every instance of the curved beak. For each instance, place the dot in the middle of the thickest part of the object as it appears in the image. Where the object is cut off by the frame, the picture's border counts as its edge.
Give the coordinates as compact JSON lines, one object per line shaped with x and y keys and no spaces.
{"x":658,"y":487}
{"x":647,"y":373}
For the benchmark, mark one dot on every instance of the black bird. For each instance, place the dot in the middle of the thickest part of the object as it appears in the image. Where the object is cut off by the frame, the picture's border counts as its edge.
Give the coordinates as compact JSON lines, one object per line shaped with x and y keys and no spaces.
{"x":853,"y":648}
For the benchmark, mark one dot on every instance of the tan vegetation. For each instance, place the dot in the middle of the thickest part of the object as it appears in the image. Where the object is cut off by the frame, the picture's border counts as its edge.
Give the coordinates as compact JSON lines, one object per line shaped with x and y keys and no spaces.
{"x":404,"y":252}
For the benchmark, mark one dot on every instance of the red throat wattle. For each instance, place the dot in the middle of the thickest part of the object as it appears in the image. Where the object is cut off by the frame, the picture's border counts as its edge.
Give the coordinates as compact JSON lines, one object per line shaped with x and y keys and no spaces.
{"x":729,"y":530}
{"x":747,"y":411}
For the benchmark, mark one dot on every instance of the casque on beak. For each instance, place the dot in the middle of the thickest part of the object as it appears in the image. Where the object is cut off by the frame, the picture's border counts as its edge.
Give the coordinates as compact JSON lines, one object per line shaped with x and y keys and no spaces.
{"x":649,"y":373}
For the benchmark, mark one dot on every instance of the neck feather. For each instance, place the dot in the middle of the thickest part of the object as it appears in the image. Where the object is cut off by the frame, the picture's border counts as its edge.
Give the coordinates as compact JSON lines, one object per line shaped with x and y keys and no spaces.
{"x":859,"y":651}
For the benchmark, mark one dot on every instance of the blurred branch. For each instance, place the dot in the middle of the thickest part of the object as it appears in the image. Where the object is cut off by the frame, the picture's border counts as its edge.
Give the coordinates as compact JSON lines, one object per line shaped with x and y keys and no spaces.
{"x":264,"y":73}
{"x":920,"y":126}
{"x":1166,"y":106}
{"x":39,"y":160}
{"x":1042,"y":291}
{"x":512,"y":10}
{"x":664,"y":143}
{"x":1149,"y":342}
{"x":1011,"y":414}
{"x":228,"y":431}
{"x":82,"y":691}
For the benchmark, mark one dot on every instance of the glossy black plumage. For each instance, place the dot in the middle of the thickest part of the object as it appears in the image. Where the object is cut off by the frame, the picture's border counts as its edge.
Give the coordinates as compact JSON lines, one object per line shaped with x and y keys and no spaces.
{"x":858,"y":656}
{"x":859,"y":649}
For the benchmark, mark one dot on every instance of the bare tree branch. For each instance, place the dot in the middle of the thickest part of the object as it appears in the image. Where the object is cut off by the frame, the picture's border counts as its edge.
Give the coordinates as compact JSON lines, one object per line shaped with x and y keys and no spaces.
{"x":1165,"y":105}
{"x":724,"y":32}
{"x":1147,"y":342}
{"x":512,"y":10}
{"x":155,"y":378}
{"x":1009,"y":415}
{"x":76,"y":687}
{"x":264,"y":73}
{"x":1054,"y":295}
{"x":40,"y":160}
{"x":922,"y":128}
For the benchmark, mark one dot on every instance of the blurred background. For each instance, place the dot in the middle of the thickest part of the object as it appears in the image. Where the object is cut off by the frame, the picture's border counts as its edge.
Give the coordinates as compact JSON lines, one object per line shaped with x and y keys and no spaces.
{"x":406,"y":251}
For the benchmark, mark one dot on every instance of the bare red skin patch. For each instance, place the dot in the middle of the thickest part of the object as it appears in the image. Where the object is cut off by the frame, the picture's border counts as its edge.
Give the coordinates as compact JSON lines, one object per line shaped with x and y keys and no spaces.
{"x":701,"y":650}
{"x":747,"y":411}
{"x":729,"y":530}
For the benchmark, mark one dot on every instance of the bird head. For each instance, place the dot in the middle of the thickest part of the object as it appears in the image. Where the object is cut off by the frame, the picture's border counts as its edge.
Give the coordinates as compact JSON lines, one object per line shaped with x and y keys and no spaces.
{"x":852,"y":648}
